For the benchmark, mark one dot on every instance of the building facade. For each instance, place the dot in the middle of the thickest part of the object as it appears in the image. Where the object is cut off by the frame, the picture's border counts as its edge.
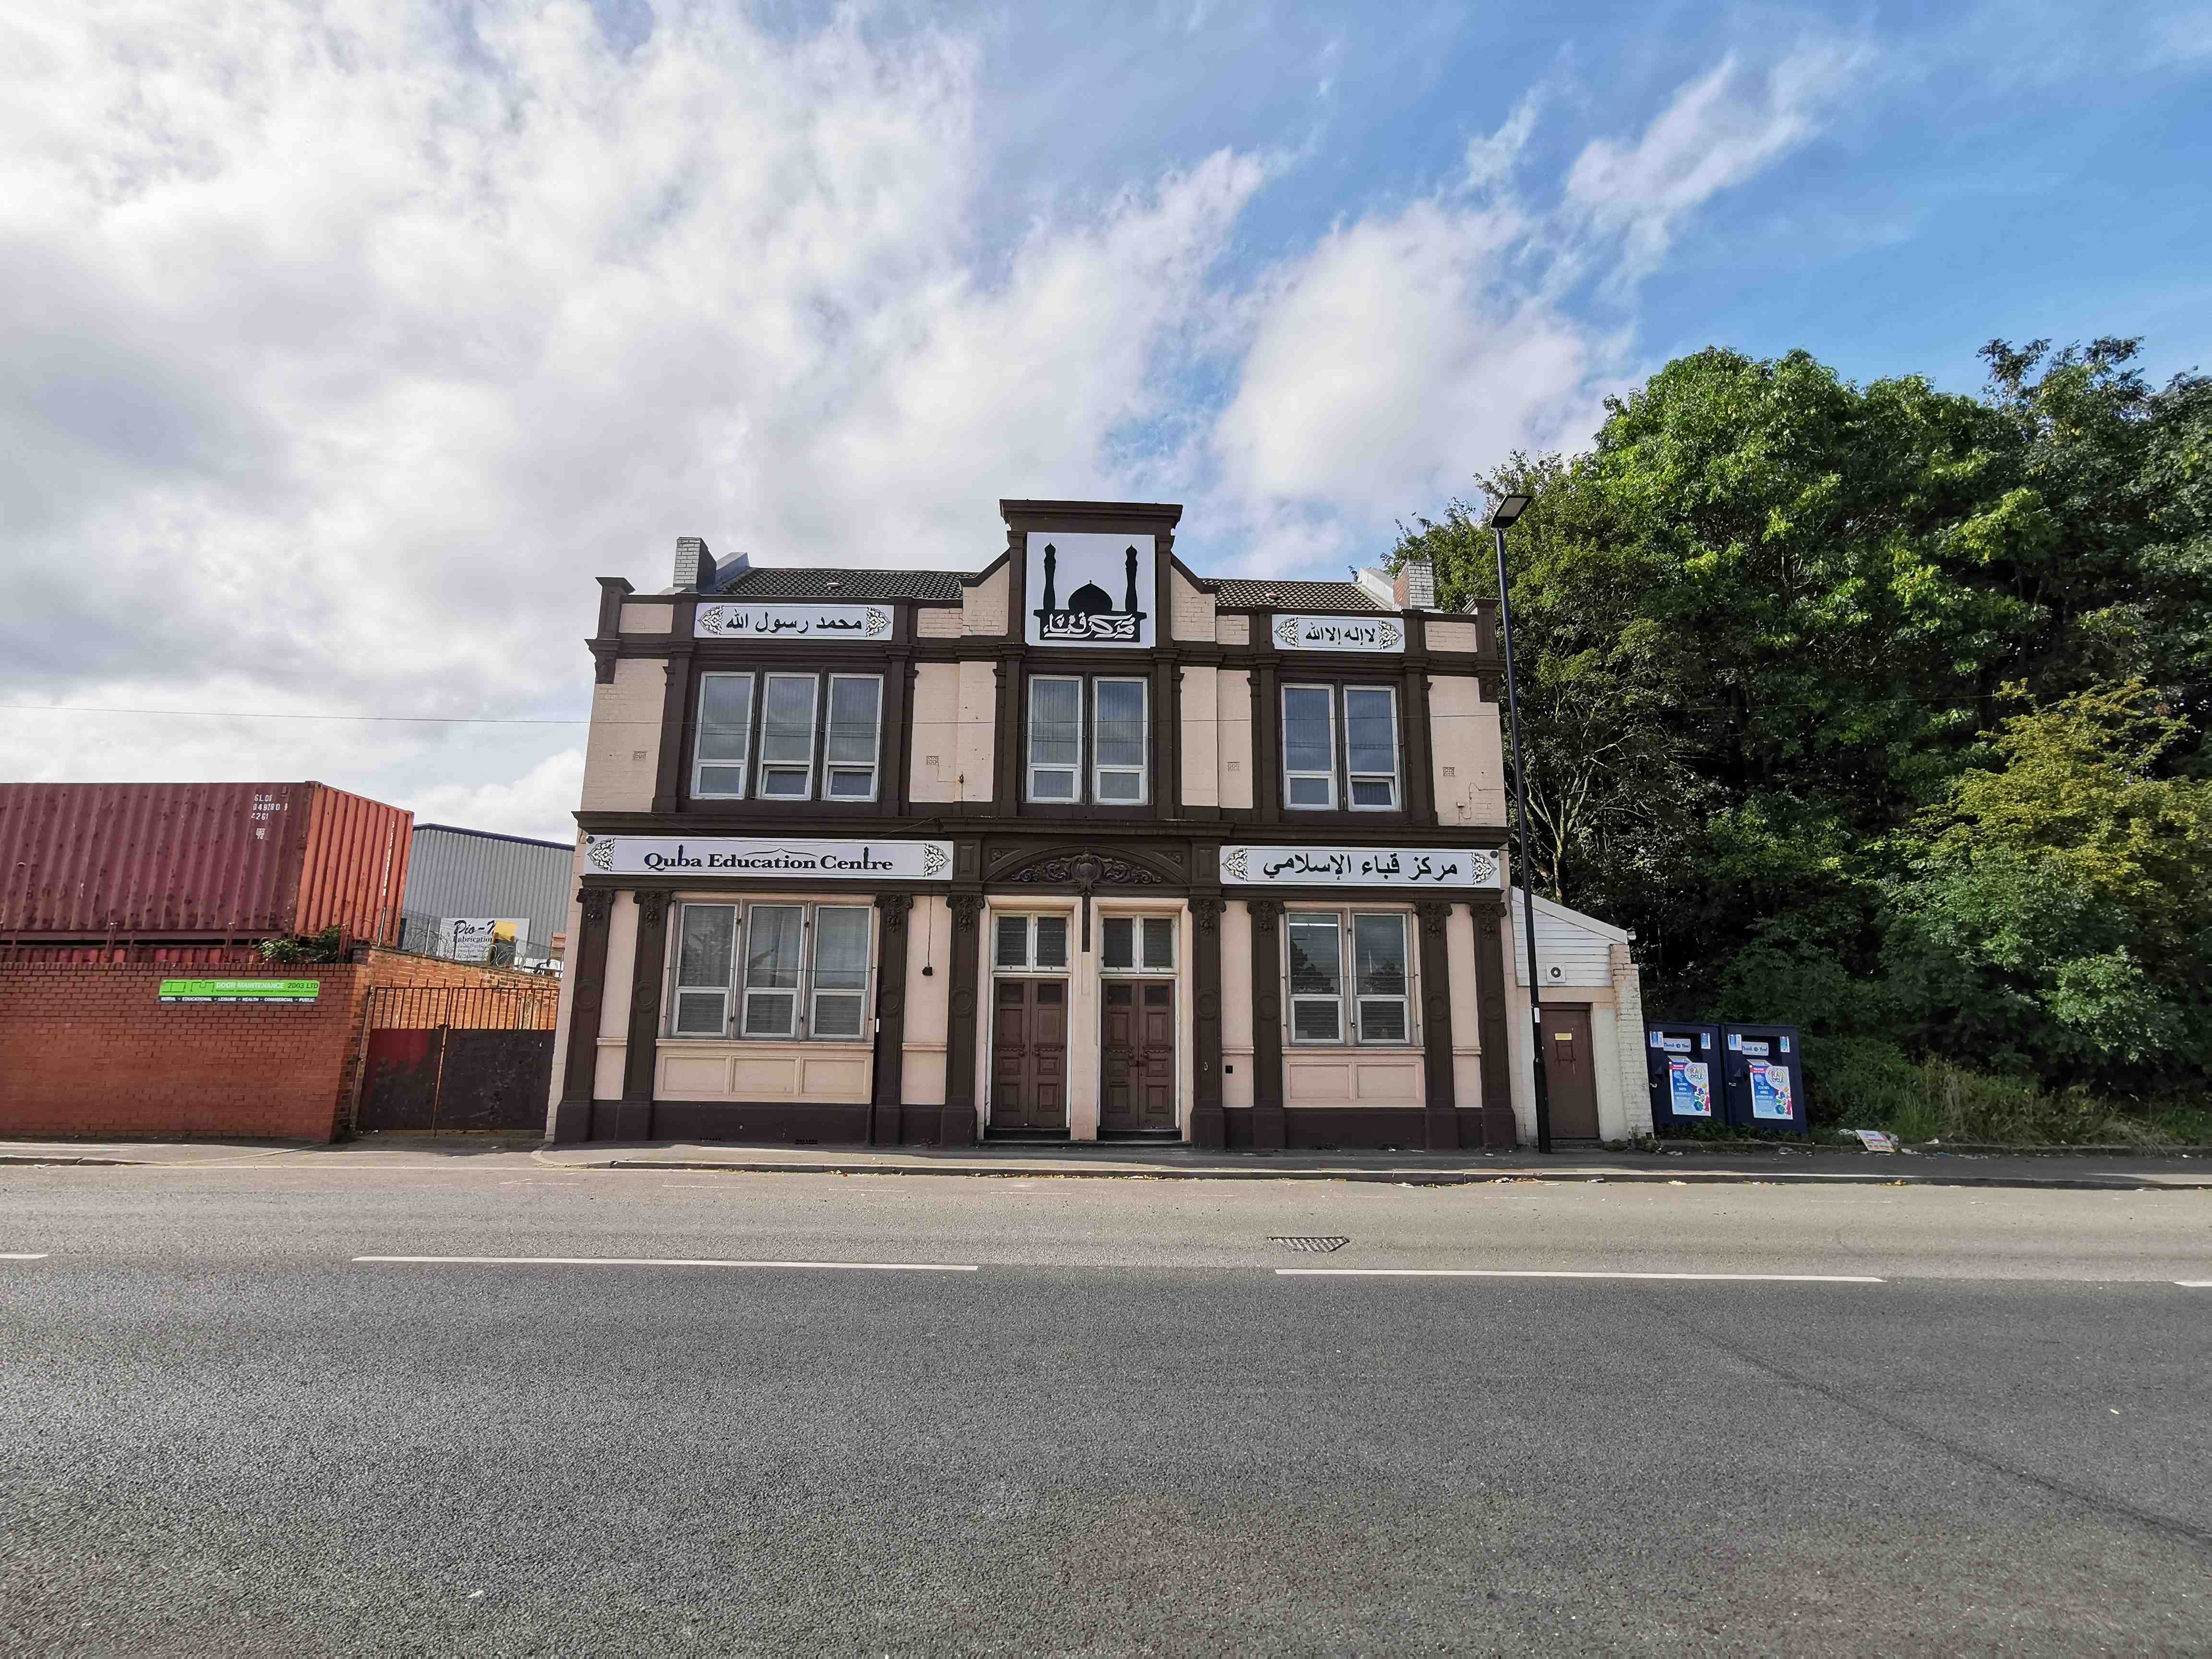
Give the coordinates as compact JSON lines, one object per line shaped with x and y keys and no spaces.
{"x":1080,"y":845}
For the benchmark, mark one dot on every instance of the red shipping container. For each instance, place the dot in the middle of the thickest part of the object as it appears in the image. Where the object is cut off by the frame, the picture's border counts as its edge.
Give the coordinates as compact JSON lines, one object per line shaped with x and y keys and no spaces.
{"x":185,"y":863}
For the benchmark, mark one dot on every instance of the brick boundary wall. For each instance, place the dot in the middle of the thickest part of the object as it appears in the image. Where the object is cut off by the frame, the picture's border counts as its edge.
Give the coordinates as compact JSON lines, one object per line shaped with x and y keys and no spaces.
{"x":86,"y":1048}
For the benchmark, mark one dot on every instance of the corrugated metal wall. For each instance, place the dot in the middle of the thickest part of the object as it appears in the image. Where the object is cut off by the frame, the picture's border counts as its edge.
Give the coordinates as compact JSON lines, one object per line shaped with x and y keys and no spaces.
{"x":183,"y":862}
{"x":464,"y":873}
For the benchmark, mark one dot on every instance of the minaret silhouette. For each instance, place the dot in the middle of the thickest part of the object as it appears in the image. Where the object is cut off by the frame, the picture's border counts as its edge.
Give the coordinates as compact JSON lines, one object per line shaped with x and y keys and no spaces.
{"x":1051,"y":559}
{"x":1129,"y":599}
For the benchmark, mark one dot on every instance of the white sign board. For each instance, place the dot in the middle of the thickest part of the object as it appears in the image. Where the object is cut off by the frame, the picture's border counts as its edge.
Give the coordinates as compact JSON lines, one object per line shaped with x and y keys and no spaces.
{"x":792,"y":621}
{"x":1417,"y":867}
{"x":1340,"y":634}
{"x":1090,"y":589}
{"x":481,"y":938}
{"x":735,"y":855}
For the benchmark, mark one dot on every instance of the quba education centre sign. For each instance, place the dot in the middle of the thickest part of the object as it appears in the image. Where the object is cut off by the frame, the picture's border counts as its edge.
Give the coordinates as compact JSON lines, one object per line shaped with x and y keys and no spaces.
{"x":736,"y":855}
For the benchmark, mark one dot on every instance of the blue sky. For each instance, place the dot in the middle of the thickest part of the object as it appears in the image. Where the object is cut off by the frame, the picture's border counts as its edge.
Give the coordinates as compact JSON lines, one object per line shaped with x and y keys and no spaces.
{"x":361,"y":338}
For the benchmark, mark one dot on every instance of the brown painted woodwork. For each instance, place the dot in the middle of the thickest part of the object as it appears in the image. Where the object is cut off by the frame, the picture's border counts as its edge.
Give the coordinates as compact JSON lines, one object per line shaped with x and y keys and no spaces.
{"x":634,"y":1118}
{"x":958,"y":1121}
{"x":889,"y":1071}
{"x":1267,"y":1125}
{"x":1492,"y":976}
{"x":1441,"y":1128}
{"x":1136,"y":1055}
{"x":1569,"y":1069}
{"x":1207,"y":1128}
{"x":1029,"y":1053}
{"x":572,"y":1118}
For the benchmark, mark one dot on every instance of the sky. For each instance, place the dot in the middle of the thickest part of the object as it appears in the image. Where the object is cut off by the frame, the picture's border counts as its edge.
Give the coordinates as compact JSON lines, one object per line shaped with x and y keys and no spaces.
{"x":346,"y":343}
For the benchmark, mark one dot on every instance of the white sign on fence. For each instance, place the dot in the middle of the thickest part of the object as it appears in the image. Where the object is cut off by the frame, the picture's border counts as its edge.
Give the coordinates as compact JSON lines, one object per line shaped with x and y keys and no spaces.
{"x":481,"y":938}
{"x":1340,"y":634}
{"x":792,"y":622}
{"x":1359,"y":866}
{"x":734,"y":856}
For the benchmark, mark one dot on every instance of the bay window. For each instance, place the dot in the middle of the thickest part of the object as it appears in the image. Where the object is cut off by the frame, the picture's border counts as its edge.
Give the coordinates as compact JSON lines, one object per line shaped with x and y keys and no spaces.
{"x":1340,"y":748}
{"x":791,"y":970}
{"x":1371,"y":1003}
{"x":768,"y":734}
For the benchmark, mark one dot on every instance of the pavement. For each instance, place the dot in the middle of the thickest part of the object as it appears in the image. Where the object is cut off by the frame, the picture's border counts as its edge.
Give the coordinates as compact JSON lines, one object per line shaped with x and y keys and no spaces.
{"x":381,"y":1401}
{"x":1682,"y":1162}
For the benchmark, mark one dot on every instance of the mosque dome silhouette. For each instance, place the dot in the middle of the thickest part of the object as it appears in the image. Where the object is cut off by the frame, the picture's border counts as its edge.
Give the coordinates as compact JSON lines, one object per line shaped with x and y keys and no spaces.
{"x":1090,"y":600}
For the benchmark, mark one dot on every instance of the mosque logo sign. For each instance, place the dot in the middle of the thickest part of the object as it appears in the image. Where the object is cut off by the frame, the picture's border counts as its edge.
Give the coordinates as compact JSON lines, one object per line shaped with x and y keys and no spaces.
{"x":1090,"y":589}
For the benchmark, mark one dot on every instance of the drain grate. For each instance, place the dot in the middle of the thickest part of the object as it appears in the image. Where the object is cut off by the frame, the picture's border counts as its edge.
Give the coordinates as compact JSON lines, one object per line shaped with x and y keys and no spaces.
{"x":1323,"y":1245}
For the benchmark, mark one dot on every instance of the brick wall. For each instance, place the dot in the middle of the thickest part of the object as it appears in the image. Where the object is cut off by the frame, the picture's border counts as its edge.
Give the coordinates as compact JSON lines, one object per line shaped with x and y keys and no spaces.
{"x":88,"y":1048}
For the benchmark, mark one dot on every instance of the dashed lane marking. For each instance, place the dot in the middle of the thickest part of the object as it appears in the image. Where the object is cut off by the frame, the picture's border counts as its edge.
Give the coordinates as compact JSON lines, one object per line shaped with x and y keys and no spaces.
{"x":1527,"y":1273}
{"x":668,"y":1261}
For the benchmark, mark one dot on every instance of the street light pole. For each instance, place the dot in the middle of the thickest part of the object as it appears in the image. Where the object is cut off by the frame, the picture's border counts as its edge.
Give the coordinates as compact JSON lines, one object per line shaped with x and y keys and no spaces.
{"x":1505,"y":513}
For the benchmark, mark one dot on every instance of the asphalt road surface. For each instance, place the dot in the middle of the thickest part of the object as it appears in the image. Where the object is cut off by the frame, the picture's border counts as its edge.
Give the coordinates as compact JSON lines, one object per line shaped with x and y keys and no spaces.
{"x":1123,"y":1431}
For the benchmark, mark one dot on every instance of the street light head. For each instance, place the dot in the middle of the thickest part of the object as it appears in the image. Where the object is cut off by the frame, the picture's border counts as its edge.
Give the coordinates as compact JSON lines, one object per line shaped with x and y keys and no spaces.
{"x":1511,"y":508}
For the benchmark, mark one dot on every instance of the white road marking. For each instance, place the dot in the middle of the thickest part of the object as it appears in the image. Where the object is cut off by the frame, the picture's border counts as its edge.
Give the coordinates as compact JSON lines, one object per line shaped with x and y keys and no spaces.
{"x":1522,"y":1273}
{"x":24,"y":1256}
{"x":2195,"y":1284}
{"x":671,"y":1262}
{"x":1507,"y":1272}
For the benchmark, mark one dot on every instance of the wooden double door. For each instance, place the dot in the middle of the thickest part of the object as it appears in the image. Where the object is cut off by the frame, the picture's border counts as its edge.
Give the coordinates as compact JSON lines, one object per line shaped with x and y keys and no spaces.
{"x":1029,"y":1053}
{"x":1137,"y":1056}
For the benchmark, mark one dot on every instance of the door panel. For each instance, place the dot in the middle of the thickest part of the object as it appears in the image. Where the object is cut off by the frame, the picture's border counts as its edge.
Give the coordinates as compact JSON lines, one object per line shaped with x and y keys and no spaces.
{"x":1029,"y":1055}
{"x":1569,"y":1072}
{"x":1137,"y":1069}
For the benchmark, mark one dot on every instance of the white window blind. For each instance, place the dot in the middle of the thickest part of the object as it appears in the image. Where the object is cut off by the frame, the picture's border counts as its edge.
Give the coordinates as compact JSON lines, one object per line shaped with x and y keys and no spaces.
{"x":706,"y":948}
{"x":775,"y":943}
{"x":787,"y":762}
{"x":725,"y":729}
{"x":848,"y":758}
{"x":1055,"y":739}
{"x":840,"y":971}
{"x":1316,"y":974}
{"x":1370,"y":747}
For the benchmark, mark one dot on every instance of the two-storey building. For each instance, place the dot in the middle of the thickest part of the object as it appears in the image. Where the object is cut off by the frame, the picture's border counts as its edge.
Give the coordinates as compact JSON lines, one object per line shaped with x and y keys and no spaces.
{"x":1081,"y":844}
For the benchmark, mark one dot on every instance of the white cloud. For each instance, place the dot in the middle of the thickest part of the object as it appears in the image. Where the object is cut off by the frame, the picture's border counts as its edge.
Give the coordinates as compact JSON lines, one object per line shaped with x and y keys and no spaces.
{"x":348,"y":344}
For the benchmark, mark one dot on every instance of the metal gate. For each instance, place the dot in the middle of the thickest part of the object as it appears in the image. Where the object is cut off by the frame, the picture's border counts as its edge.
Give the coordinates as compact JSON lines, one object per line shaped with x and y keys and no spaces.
{"x":458,"y":1057}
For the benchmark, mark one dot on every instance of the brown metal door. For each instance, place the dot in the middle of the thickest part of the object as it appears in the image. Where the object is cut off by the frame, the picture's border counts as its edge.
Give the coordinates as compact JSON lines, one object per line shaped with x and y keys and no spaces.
{"x":1137,"y":1081}
{"x":1569,"y":1072}
{"x":1029,"y":1055}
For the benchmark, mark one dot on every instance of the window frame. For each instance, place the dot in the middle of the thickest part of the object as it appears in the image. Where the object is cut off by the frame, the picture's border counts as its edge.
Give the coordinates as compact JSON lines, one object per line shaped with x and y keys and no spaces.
{"x":805,"y":991}
{"x":1028,"y":963}
{"x":1085,"y":765}
{"x":1350,"y":1028}
{"x":875,"y":765}
{"x":1031,"y":765}
{"x":744,"y":762}
{"x":1138,"y":967}
{"x":1340,"y":776}
{"x":1096,"y":772}
{"x":818,"y":765}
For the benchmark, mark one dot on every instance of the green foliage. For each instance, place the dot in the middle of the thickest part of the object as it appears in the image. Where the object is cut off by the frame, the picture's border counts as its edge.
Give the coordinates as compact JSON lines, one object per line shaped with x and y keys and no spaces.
{"x":1882,"y":711}
{"x":328,"y":945}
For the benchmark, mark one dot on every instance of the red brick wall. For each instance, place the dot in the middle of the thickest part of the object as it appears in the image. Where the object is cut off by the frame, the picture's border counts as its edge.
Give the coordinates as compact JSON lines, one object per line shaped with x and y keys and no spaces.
{"x":86,"y":1048}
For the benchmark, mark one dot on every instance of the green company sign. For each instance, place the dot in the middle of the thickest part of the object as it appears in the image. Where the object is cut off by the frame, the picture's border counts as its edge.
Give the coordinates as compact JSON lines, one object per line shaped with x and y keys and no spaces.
{"x":240,"y":990}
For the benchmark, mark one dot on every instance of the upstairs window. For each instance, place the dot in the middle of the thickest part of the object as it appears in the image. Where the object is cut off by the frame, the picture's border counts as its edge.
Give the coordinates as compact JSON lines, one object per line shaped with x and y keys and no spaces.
{"x":1340,"y":748}
{"x":764,"y":735}
{"x":1090,"y":741}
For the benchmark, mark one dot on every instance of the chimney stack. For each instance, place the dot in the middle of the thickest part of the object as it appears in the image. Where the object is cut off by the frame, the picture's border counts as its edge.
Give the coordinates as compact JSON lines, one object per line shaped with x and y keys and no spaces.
{"x":1415,"y":588}
{"x":694,"y":565}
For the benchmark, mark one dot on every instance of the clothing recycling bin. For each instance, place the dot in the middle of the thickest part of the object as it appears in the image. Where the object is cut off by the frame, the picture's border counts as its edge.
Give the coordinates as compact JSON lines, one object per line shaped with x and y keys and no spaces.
{"x":1682,"y":1060}
{"x":1762,"y":1067}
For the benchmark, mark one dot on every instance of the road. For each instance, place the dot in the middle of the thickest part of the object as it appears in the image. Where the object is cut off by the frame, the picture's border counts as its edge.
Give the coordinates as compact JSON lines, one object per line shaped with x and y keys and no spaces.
{"x":1124,"y":1432}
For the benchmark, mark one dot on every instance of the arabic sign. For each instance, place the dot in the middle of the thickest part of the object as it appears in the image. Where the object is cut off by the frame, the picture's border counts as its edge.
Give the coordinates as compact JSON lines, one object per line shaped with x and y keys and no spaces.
{"x":792,"y":622}
{"x":1359,"y":866}
{"x":1340,"y":634}
{"x":481,"y":938}
{"x":240,"y":990}
{"x":1689,"y":1088}
{"x":1089,"y":589}
{"x":734,"y":856}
